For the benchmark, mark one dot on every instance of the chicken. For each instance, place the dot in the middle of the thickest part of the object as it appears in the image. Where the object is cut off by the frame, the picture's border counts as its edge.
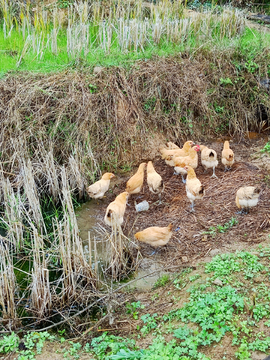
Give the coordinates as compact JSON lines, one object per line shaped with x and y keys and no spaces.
{"x":168,"y":154}
{"x":209,"y":159}
{"x":247,"y":197}
{"x":227,"y":156}
{"x":155,"y":236}
{"x":154,"y":180}
{"x":190,"y":160}
{"x":172,"y":146}
{"x":98,"y":189}
{"x":194,"y":187}
{"x":135,"y":183}
{"x":116,"y":209}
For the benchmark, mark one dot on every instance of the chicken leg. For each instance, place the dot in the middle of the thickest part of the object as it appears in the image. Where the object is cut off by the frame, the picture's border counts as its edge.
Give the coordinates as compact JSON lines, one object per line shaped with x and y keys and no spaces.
{"x":243,"y":211}
{"x":214,"y":175}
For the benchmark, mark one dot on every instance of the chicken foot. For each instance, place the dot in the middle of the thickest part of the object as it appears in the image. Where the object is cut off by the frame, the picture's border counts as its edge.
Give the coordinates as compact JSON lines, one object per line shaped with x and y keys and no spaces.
{"x":244,"y":211}
{"x":214,"y":175}
{"x":159,"y":199}
{"x":192,"y":206}
{"x":227,"y":168}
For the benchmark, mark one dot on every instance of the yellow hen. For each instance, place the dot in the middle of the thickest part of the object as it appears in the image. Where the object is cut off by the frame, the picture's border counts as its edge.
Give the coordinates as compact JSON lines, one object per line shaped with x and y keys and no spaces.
{"x":155,"y":236}
{"x":247,"y":197}
{"x":154,"y":180}
{"x":135,"y":183}
{"x":116,"y":210}
{"x":98,"y":189}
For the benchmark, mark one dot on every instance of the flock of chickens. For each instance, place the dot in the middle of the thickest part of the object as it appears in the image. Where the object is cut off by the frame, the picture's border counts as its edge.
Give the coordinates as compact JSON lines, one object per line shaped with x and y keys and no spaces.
{"x":184,"y":161}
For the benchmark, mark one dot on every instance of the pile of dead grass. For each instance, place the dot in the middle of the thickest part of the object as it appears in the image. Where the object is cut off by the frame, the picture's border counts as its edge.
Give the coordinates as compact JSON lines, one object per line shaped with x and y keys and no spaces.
{"x":114,"y":118}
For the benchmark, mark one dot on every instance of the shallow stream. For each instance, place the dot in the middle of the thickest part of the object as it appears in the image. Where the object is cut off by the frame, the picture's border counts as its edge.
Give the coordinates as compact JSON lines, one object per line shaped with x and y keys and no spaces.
{"x":88,"y":218}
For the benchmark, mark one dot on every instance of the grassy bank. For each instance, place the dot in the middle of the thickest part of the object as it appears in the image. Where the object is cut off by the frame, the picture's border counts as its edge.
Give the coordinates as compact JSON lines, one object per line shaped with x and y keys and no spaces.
{"x":217,"y":311}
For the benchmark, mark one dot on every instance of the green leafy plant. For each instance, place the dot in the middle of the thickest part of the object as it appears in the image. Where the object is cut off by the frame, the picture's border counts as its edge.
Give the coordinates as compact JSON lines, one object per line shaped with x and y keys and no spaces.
{"x":266,"y":148}
{"x":213,"y":230}
{"x":251,"y":66}
{"x":9,"y":343}
{"x":226,"y":81}
{"x":106,"y":345}
{"x":150,"y":323}
{"x":243,"y":353}
{"x":133,"y":307}
{"x":150,"y":104}
{"x":163,"y":280}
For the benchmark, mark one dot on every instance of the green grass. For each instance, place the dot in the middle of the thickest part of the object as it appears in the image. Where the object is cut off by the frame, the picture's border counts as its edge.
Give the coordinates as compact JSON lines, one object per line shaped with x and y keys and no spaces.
{"x":250,"y":43}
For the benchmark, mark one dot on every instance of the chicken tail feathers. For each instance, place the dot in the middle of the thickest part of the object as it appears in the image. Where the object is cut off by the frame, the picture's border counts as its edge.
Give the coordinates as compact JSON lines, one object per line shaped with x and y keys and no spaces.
{"x":109,"y":214}
{"x":170,"y":227}
{"x":201,"y":191}
{"x":211,"y":154}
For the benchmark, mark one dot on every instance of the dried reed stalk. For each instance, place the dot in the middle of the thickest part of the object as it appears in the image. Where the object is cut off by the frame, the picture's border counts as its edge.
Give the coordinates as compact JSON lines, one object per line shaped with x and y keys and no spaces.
{"x":120,"y":251}
{"x":34,"y":208}
{"x":8,"y":289}
{"x":13,"y":212}
{"x":76,"y":269}
{"x":41,"y":298}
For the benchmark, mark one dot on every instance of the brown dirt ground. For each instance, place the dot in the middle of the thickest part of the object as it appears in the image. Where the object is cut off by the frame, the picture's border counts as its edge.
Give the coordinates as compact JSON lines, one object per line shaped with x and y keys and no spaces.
{"x":217,"y":208}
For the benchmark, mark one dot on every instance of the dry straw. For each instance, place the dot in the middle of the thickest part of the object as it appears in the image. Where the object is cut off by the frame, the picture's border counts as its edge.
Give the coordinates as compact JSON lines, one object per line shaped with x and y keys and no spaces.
{"x":8,"y":289}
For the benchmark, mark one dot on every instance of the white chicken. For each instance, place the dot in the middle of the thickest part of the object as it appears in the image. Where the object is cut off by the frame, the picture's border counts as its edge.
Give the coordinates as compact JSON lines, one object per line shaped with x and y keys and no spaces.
{"x":116,"y":210}
{"x":172,"y":146}
{"x":168,"y":154}
{"x":209,"y":159}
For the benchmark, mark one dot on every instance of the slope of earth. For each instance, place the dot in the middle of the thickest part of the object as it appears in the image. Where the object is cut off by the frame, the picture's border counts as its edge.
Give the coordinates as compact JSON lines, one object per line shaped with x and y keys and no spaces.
{"x":216,"y":310}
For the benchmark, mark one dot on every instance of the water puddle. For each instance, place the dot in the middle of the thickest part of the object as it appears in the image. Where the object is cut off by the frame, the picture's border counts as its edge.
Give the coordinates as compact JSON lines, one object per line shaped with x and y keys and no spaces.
{"x":91,"y":233}
{"x":90,"y":226}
